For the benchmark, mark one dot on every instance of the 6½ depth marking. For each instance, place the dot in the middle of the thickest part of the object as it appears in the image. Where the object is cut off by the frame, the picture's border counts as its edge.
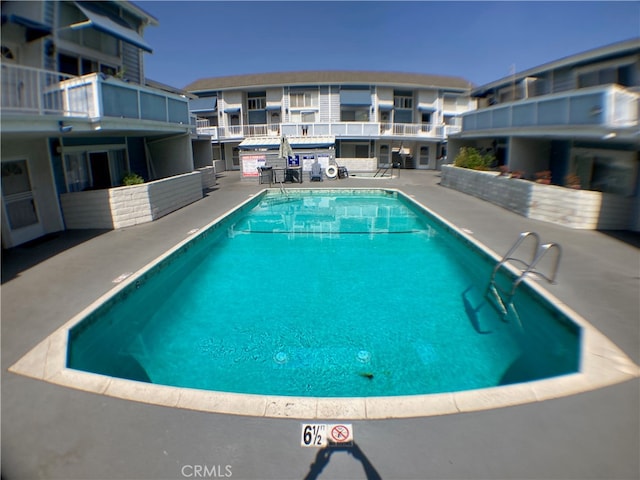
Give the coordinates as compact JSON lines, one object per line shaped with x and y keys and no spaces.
{"x":314,"y":435}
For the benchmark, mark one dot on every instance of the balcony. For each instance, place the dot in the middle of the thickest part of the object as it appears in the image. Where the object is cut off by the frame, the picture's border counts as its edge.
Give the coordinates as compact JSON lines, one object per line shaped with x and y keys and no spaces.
{"x":94,"y":96}
{"x":607,"y":106}
{"x":351,"y":130}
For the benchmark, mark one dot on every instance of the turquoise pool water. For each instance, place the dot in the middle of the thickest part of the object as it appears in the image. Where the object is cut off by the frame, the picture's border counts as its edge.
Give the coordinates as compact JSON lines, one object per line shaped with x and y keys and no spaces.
{"x":324,"y":294}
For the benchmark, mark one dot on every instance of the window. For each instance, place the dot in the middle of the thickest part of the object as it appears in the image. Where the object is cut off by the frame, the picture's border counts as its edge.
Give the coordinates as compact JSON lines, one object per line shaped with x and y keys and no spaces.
{"x":256,"y":108}
{"x":301,"y":99}
{"x":403,"y":116}
{"x":93,"y":170}
{"x":354,"y":150}
{"x":18,"y":196}
{"x":605,"y":75}
{"x":610,"y":174}
{"x":74,"y":65}
{"x":354,"y":115}
{"x":303,"y":117}
{"x":402,"y":99}
{"x":256,"y":101}
{"x":403,"y":103}
{"x":362,"y":151}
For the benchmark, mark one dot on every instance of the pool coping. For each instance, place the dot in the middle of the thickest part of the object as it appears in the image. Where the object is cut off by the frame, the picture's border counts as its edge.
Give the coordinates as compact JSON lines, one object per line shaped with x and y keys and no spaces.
{"x":602,"y":364}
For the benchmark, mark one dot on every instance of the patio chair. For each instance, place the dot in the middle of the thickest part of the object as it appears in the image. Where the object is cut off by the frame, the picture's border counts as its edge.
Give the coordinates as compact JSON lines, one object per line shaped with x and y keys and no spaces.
{"x":316,"y":172}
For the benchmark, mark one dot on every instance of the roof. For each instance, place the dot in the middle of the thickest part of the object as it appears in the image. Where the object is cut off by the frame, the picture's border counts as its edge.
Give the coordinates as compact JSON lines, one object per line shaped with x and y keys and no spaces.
{"x":329,"y":77}
{"x":627,"y":47}
{"x":167,"y":88}
{"x":141,"y":13}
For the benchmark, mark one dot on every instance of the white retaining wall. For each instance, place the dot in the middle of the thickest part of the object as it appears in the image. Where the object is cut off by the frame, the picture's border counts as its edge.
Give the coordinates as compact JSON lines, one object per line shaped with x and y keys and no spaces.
{"x":571,"y":208}
{"x":131,"y":205}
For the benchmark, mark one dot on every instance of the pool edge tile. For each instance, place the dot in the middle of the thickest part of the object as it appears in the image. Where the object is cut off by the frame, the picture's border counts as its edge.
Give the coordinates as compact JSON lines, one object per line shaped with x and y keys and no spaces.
{"x":222,"y":402}
{"x":379,"y":408}
{"x":341,"y":408}
{"x":33,"y":363}
{"x":84,"y":381}
{"x":143,"y":392}
{"x":497,"y":397}
{"x":291,"y":407}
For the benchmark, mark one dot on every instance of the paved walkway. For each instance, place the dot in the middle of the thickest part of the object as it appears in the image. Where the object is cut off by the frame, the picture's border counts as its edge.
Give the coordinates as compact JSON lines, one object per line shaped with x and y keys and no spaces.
{"x":50,"y":431}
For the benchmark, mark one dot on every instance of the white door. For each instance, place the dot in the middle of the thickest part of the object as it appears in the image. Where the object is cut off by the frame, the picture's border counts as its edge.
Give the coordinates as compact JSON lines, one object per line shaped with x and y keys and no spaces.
{"x":20,"y":209}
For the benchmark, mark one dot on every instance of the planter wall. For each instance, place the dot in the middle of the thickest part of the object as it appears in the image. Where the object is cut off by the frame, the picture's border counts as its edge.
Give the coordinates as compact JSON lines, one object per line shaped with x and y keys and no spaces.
{"x":125,"y":206}
{"x":582,"y":209}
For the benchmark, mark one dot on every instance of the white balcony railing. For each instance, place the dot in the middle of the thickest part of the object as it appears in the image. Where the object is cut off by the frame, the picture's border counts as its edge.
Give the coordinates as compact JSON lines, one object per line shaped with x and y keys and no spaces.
{"x":608,"y":106}
{"x":336,"y":129}
{"x":35,"y":91}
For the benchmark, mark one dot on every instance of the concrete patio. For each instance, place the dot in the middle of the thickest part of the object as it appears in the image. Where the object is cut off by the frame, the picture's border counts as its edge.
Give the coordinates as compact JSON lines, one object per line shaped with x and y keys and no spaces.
{"x":49,"y":431}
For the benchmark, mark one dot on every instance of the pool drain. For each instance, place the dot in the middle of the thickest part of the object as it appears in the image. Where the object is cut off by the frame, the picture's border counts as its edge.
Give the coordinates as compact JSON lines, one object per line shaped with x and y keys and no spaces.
{"x":280,"y":357}
{"x":364,"y":356}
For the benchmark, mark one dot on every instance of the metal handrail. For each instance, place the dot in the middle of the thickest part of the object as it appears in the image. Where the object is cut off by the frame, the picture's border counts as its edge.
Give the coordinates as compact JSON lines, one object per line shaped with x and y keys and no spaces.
{"x":538,"y":253}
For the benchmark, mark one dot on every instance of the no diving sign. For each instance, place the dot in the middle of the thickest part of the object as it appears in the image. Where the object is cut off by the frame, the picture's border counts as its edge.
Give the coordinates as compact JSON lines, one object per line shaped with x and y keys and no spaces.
{"x":322,"y":435}
{"x":341,"y":434}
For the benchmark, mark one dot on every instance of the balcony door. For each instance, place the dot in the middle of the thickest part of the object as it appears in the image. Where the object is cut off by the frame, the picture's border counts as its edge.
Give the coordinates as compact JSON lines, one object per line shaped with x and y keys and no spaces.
{"x":99,"y":162}
{"x":20,"y":209}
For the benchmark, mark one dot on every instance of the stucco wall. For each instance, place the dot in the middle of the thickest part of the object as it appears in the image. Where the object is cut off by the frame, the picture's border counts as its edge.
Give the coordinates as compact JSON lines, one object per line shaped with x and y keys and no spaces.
{"x":125,"y":206}
{"x":582,"y":209}
{"x":171,"y":156}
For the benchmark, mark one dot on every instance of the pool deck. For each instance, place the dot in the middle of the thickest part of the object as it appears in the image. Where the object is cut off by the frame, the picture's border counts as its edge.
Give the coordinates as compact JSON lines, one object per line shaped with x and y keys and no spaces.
{"x":50,"y":431}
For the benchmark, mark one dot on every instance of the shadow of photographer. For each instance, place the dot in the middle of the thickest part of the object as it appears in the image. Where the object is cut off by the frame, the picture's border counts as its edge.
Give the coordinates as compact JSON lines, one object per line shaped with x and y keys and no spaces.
{"x":324,"y":456}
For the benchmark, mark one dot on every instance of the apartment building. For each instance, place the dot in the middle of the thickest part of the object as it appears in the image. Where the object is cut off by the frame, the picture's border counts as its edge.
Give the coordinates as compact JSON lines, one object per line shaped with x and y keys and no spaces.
{"x":576,"y":117}
{"x":78,"y":116}
{"x":360,"y":120}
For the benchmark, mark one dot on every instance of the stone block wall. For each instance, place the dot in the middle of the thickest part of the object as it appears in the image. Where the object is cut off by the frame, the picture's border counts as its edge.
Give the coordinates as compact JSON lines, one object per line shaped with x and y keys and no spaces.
{"x":358,"y":164}
{"x":208,"y":177}
{"x":571,"y":208}
{"x":91,"y":209}
{"x":131,"y":205}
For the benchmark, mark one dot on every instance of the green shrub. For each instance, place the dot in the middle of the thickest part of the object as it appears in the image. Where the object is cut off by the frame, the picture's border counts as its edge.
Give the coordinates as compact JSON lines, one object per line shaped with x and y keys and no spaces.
{"x":469,"y":157}
{"x":131,"y":178}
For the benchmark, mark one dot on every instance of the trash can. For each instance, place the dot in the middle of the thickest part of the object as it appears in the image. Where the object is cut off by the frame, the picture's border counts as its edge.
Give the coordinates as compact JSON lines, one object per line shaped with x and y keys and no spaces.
{"x":265,"y":175}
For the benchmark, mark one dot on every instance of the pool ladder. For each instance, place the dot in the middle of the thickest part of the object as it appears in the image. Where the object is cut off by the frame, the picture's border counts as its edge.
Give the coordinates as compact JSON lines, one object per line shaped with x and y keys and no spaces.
{"x":503,"y":298}
{"x":283,"y":190}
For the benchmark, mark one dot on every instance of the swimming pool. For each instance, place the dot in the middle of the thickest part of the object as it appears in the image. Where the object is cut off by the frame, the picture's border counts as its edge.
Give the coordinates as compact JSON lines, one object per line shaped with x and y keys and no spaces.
{"x":357,"y":293}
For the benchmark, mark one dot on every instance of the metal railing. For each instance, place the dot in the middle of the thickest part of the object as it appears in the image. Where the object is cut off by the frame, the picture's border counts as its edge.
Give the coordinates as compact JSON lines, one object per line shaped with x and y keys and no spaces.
{"x":503,"y":299}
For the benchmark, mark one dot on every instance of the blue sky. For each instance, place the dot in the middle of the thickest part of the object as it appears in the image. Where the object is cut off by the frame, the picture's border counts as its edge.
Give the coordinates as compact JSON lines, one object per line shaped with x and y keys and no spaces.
{"x":478,"y":41}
